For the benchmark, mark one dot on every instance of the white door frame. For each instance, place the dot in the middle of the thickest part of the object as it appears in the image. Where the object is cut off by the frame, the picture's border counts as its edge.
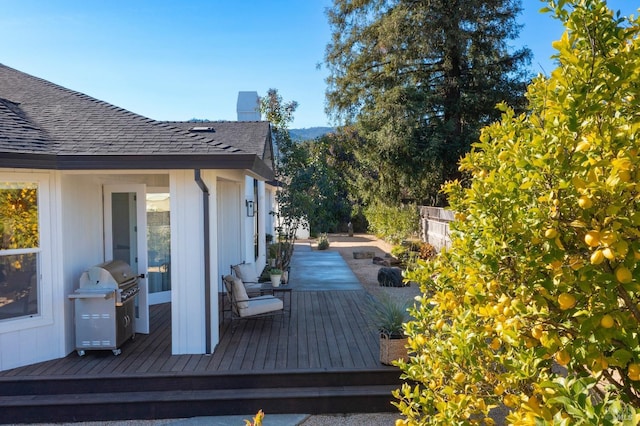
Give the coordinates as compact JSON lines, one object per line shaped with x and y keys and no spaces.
{"x":142,"y":318}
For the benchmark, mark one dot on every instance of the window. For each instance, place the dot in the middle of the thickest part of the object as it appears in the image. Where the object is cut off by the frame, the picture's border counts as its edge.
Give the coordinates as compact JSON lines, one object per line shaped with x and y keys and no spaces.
{"x":159,"y":241}
{"x":19,"y":249}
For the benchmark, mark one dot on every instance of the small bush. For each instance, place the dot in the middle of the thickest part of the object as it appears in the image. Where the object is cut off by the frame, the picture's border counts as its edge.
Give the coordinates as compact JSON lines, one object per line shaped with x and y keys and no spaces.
{"x":273,"y":249}
{"x":393,"y":223}
{"x":323,"y":242}
{"x":427,"y":251}
{"x":410,"y":251}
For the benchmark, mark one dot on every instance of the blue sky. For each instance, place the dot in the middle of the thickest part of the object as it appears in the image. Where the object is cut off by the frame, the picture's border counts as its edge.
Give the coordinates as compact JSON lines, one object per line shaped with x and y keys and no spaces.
{"x":177,"y":60}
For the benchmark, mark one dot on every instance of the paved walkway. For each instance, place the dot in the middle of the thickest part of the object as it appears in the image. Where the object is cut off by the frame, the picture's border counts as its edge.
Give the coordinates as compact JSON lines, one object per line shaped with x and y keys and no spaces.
{"x":318,"y":270}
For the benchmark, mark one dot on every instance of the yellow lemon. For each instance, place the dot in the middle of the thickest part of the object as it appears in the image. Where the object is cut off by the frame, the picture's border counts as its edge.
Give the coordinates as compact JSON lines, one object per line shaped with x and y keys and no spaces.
{"x":633,"y":370}
{"x":537,"y":331}
{"x":597,"y":257}
{"x":592,"y":238}
{"x":566,"y":301}
{"x":498,"y":390}
{"x":495,"y":344}
{"x":585,"y":202}
{"x":607,"y":321}
{"x":623,"y":275}
{"x":459,"y":377}
{"x":550,"y":233}
{"x":608,"y":253}
{"x":562,"y":357}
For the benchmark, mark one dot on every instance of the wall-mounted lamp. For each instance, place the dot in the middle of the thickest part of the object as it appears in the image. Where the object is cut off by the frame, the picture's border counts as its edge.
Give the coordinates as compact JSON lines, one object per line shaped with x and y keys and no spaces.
{"x":249,"y":204}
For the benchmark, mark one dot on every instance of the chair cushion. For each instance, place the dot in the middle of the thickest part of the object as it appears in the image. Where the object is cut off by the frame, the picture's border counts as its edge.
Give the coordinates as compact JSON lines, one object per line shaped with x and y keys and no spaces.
{"x":239,"y":294}
{"x":228,"y":283}
{"x":261,"y":305}
{"x":246,"y":272}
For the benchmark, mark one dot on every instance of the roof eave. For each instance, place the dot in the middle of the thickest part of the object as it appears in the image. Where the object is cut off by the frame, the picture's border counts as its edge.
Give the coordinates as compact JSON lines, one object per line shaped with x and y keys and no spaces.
{"x":249,"y":162}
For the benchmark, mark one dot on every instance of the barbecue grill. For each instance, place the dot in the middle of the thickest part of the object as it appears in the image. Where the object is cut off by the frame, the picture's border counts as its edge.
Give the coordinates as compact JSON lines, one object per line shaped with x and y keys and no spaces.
{"x":104,"y":306}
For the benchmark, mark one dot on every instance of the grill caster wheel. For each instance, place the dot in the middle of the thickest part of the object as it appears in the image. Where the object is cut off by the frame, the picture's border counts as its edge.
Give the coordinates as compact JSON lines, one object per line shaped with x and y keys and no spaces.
{"x":116,"y":352}
{"x":80,"y":353}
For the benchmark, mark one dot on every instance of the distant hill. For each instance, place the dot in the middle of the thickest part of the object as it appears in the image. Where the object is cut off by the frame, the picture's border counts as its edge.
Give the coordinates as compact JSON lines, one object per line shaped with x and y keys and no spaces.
{"x":309,"y":134}
{"x":297,"y":135}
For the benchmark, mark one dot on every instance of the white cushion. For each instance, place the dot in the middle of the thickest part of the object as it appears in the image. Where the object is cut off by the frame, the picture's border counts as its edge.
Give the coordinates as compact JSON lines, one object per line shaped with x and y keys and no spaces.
{"x":246,"y":272}
{"x":261,"y":305}
{"x":228,"y":282}
{"x":239,"y":293}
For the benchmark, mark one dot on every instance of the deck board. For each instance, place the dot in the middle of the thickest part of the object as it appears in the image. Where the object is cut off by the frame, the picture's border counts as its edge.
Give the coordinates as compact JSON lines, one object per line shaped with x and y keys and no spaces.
{"x":326,"y":330}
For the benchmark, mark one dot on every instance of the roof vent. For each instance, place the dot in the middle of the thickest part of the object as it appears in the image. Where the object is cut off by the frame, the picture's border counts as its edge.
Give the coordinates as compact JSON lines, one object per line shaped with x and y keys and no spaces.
{"x":202,"y":129}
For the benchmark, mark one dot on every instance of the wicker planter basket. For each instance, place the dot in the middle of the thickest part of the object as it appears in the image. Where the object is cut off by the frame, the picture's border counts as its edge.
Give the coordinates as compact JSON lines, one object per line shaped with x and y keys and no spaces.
{"x":392,"y":349}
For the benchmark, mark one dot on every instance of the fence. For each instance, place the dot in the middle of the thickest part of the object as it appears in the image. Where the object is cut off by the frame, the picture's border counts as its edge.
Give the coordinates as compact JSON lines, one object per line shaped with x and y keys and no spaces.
{"x":434,"y":226}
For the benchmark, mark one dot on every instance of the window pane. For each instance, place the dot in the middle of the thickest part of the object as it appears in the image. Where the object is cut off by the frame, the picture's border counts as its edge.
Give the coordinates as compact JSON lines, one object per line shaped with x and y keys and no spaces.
{"x":18,"y":216}
{"x":18,"y":285}
{"x":159,"y":242}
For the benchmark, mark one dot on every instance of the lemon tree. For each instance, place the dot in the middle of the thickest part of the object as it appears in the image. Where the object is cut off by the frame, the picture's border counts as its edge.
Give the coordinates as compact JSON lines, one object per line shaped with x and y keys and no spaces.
{"x":533,"y":313}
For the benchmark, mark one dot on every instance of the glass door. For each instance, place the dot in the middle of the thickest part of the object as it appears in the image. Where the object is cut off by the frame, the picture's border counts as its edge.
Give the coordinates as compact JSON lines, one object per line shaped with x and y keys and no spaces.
{"x":124,"y":214}
{"x":159,"y":245}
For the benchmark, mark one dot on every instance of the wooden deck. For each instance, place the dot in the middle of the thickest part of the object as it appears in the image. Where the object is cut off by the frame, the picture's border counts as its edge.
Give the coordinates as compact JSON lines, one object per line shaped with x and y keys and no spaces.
{"x":327,"y":331}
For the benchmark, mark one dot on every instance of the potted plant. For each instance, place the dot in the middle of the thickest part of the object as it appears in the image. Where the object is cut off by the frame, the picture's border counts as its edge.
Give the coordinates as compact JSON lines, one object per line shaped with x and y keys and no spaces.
{"x":276,"y":276}
{"x":388,"y":317}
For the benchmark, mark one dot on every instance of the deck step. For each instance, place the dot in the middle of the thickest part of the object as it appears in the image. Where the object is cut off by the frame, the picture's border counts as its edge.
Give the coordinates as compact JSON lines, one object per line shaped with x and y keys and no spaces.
{"x":85,"y":399}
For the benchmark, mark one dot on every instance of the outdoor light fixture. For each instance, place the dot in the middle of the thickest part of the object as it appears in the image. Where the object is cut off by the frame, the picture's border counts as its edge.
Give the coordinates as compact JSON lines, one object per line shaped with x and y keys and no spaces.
{"x":249,"y":204}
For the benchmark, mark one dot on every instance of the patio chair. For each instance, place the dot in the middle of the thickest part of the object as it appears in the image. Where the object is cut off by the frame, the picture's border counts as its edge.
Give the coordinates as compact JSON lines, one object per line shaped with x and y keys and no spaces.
{"x":245,"y":307}
{"x":250,"y":277}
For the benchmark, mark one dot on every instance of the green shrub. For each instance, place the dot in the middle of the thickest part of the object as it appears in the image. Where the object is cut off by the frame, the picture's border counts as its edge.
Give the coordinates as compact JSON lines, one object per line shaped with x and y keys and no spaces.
{"x":393,"y":223}
{"x":427,"y":251}
{"x":323,"y":242}
{"x":408,"y":252}
{"x":544,"y":265}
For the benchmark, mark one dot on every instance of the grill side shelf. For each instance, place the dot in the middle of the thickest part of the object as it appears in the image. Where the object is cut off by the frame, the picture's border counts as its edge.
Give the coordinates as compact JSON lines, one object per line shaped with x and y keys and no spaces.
{"x":92,"y":294}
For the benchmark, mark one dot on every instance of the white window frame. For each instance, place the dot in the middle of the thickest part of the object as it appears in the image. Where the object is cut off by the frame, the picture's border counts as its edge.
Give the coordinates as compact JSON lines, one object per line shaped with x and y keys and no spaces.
{"x":45,"y":286}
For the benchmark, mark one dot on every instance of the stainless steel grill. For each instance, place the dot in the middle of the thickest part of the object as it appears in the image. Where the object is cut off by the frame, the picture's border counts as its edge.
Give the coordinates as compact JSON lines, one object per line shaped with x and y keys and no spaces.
{"x":104,"y":305}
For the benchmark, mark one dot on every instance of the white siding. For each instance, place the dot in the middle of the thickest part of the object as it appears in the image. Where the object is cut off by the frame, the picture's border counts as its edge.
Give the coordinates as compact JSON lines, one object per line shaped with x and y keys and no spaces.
{"x":82,"y":245}
{"x":30,"y":340}
{"x":229,"y":222}
{"x":187,"y":265}
{"x":262,"y":222}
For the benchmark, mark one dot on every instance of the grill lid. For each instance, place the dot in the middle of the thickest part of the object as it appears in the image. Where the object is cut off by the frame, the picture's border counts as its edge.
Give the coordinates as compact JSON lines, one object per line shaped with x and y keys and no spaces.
{"x":111,"y":274}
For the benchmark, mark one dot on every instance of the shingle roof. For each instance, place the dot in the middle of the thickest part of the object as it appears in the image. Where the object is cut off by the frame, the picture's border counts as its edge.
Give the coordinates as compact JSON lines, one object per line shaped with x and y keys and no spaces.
{"x":43,"y":125}
{"x":249,"y":136}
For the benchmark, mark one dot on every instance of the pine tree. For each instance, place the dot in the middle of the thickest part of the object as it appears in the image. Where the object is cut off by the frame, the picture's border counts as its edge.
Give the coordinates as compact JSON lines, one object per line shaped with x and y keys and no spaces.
{"x":420,"y":78}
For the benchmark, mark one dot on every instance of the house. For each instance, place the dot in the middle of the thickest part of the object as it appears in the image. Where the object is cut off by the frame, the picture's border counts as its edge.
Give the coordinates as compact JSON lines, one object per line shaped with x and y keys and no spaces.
{"x":83,"y":182}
